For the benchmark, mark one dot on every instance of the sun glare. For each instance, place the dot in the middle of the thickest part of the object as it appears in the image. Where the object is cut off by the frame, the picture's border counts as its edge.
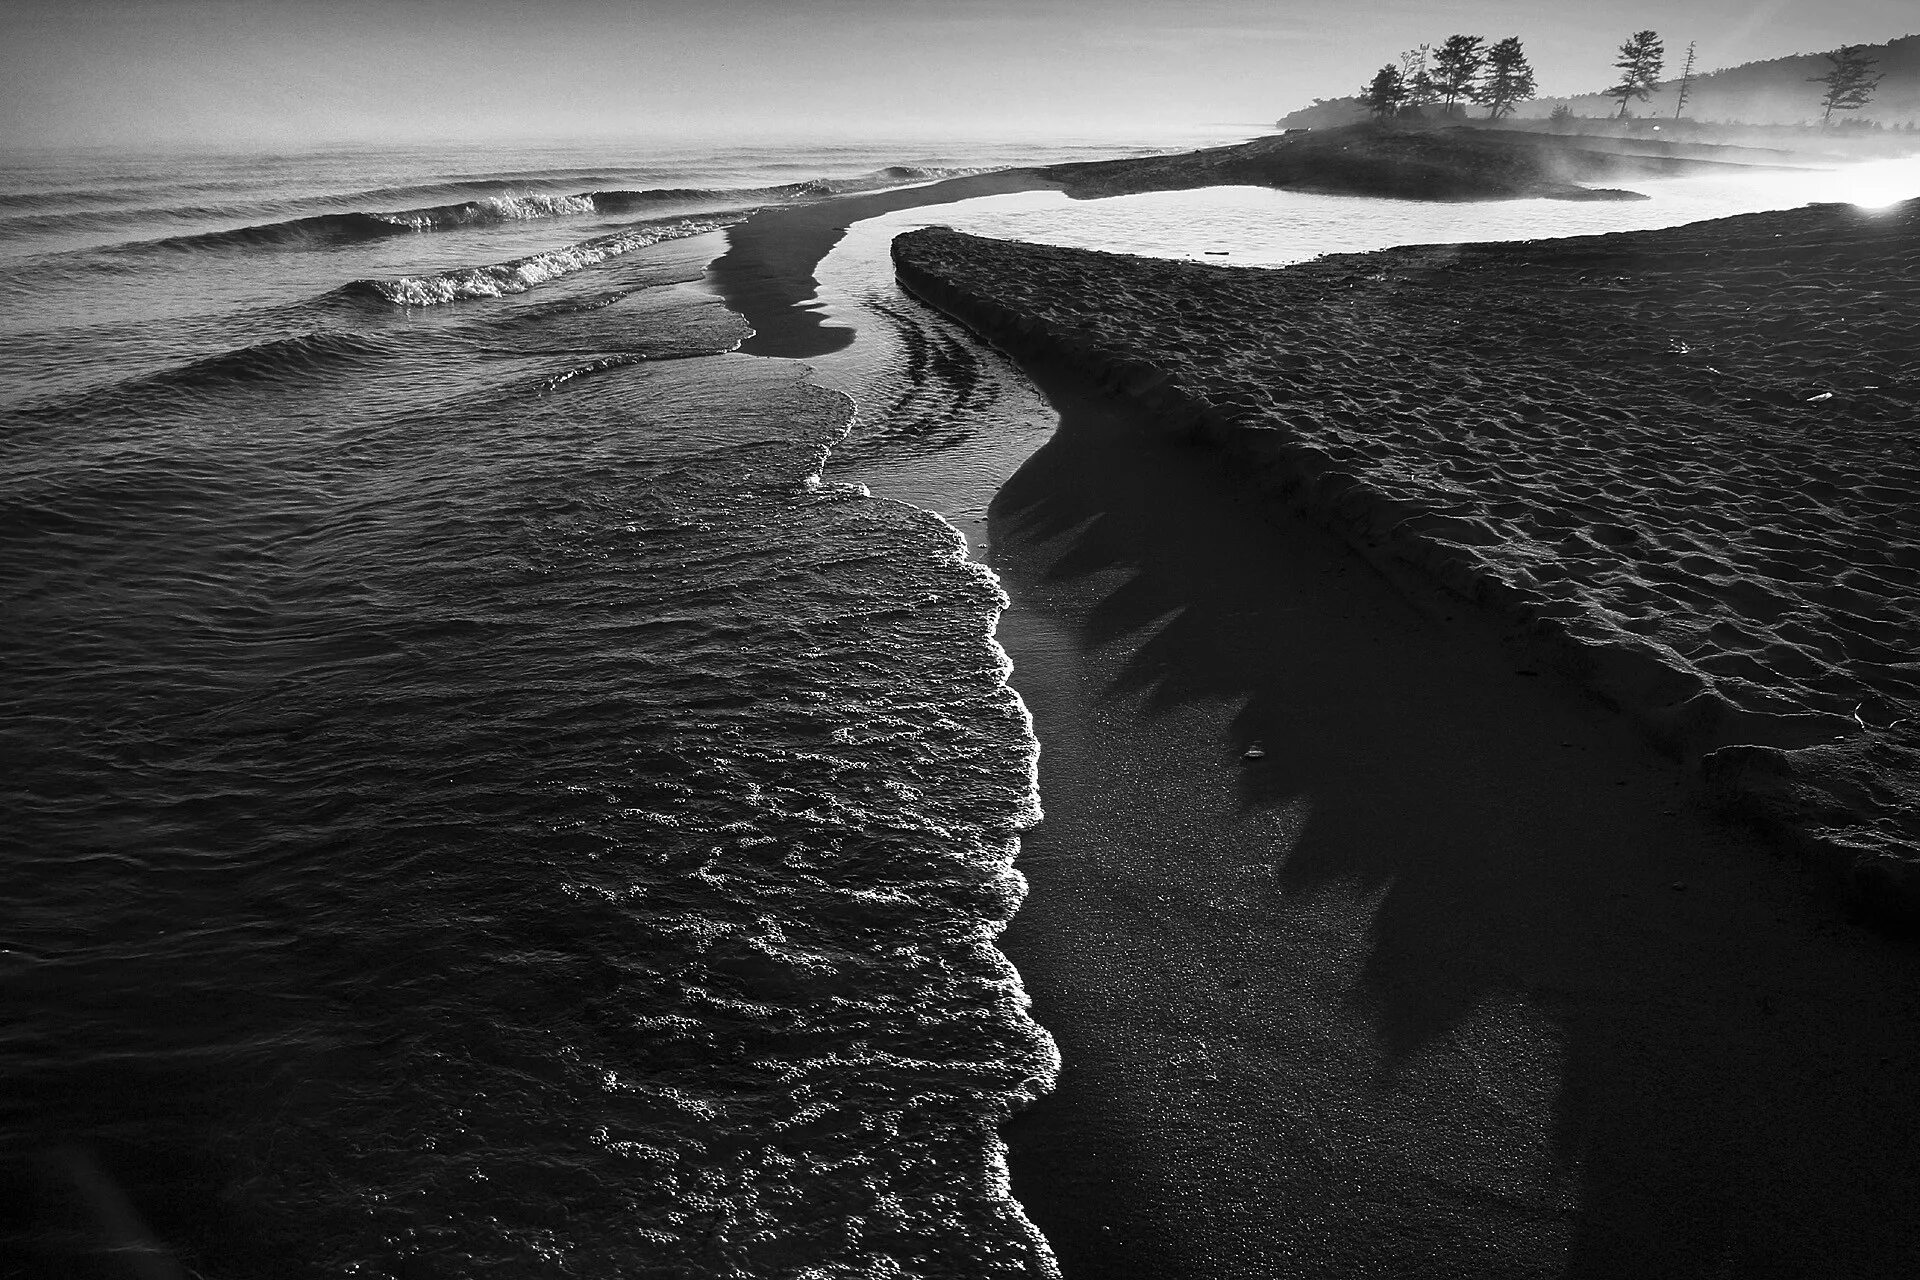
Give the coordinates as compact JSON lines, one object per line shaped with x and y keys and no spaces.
{"x":1877,"y":184}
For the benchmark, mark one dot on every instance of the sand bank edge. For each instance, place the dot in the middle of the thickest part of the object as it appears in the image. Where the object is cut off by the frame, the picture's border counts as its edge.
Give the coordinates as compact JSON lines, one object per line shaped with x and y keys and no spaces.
{"x":1817,"y":801}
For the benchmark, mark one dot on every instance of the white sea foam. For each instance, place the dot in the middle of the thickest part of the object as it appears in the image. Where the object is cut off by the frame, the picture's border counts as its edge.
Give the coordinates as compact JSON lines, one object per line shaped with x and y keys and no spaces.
{"x":506,"y":208}
{"x":521,"y":274}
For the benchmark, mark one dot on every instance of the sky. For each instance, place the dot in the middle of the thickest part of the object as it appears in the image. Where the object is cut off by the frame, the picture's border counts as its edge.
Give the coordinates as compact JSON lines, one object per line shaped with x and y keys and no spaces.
{"x":276,"y":72}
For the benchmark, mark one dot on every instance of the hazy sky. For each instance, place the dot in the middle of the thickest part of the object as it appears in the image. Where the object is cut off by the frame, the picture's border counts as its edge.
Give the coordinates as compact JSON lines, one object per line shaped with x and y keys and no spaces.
{"x":279,"y":71}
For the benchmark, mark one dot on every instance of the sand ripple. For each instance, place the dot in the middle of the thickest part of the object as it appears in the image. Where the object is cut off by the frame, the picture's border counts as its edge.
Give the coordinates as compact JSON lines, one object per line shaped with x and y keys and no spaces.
{"x":1684,"y":461}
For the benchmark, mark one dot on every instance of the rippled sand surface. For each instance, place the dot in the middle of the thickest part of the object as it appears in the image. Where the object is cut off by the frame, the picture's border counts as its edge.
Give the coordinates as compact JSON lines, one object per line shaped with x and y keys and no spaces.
{"x":1682,"y":460}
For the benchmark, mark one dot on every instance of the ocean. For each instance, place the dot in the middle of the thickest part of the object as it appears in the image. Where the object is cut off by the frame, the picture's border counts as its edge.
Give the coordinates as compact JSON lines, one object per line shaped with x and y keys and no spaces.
{"x":500,"y":782}
{"x":480,"y":801}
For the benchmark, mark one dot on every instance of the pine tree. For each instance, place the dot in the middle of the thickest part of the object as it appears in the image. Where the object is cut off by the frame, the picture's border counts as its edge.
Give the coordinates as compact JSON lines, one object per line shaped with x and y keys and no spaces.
{"x":1686,"y":82}
{"x":1416,"y":74}
{"x":1509,"y":78}
{"x":1639,"y":63}
{"x":1849,"y":85}
{"x":1456,"y":67}
{"x":1386,"y":93}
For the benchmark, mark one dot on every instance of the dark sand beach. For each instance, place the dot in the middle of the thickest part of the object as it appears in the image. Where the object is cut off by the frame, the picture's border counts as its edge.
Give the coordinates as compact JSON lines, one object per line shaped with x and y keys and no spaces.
{"x":1464,"y":976}
{"x":1677,"y":464}
{"x":1460,"y":979}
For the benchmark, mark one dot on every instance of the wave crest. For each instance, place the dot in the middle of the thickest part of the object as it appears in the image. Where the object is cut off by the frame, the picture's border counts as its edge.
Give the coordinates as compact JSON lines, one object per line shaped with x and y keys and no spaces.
{"x":323,"y":230}
{"x":521,"y":274}
{"x":490,"y":210}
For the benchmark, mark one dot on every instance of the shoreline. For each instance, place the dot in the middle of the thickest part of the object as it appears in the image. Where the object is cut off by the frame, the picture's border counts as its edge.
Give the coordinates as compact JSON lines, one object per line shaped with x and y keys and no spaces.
{"x":1456,"y":981}
{"x":767,"y":277}
{"x":766,"y":274}
{"x":1370,"y":1004}
{"x":1459,"y":979}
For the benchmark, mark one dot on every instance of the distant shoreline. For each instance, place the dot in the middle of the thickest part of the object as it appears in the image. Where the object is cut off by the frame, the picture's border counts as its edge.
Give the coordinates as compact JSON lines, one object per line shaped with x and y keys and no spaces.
{"x":1410,"y":162}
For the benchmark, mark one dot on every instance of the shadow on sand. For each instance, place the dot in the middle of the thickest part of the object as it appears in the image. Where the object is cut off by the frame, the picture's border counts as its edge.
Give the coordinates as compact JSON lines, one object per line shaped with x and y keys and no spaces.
{"x":1456,"y":980}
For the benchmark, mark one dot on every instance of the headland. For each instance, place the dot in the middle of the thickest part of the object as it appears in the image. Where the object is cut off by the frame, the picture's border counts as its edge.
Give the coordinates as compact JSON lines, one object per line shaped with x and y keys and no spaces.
{"x":1410,"y":162}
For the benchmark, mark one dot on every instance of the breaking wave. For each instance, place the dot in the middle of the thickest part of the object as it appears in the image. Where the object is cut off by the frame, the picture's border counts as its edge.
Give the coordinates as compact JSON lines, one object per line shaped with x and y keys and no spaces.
{"x":321,"y":230}
{"x":521,"y":274}
{"x":325,"y":229}
{"x":896,"y":175}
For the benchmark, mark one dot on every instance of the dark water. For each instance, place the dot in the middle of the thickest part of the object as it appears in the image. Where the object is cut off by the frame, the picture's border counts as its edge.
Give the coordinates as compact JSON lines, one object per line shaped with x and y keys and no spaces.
{"x":477,"y":801}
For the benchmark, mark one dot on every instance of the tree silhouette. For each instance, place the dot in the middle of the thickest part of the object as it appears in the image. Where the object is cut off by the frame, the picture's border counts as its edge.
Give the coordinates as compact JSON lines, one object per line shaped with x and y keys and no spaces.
{"x":1639,"y":64}
{"x":1421,"y":90}
{"x":1686,"y":82}
{"x":1456,"y":67}
{"x":1386,"y":93}
{"x":1416,"y":75}
{"x":1848,"y":83}
{"x":1509,"y":78}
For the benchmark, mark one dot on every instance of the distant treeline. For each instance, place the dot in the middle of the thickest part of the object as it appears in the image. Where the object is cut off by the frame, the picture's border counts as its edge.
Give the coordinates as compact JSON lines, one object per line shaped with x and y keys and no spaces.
{"x":1462,"y":70}
{"x":1880,"y":82}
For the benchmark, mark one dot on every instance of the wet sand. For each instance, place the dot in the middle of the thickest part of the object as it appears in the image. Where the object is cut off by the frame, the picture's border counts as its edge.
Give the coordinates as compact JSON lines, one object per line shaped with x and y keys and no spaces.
{"x":1459,"y":979}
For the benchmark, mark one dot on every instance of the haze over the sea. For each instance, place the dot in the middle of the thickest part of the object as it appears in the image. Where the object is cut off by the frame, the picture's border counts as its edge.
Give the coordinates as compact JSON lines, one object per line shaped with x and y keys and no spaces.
{"x":278,"y":73}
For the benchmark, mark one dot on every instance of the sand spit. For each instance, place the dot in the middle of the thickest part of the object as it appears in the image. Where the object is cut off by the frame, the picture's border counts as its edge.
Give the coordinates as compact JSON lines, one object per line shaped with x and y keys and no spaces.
{"x":1682,"y":464}
{"x":1408,"y":162}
